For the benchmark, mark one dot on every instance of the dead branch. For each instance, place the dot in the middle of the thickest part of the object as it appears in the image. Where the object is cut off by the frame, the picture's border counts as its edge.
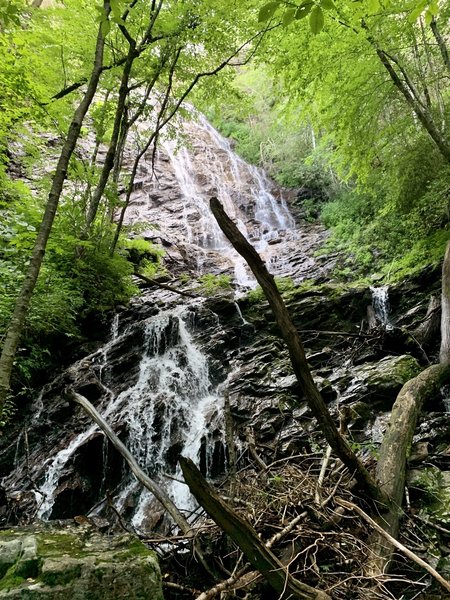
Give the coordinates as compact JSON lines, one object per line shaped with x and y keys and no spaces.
{"x":394,"y":542}
{"x":148,"y":483}
{"x":246,"y":537}
{"x":391,"y":467}
{"x":297,"y":354}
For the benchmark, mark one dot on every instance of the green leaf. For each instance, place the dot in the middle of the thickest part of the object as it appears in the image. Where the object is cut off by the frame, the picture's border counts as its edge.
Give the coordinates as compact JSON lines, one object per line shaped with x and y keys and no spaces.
{"x":327,"y":4}
{"x":373,"y":6}
{"x":316,"y":20}
{"x":434,"y":8}
{"x":267,"y":11}
{"x":415,"y":14}
{"x":106,"y":27}
{"x":428,"y":17}
{"x":118,"y":20}
{"x":289,"y":16}
{"x":303,"y":10}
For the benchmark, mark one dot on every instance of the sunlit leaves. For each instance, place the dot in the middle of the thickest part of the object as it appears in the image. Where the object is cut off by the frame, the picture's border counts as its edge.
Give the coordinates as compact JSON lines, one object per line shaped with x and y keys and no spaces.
{"x":429,"y":9}
{"x":10,"y":12}
{"x":327,"y":4}
{"x":290,"y":14}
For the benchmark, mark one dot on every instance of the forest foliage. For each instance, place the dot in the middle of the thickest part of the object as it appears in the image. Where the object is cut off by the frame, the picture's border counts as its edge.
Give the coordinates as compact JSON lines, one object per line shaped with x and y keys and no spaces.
{"x":312,"y":97}
{"x":321,"y":112}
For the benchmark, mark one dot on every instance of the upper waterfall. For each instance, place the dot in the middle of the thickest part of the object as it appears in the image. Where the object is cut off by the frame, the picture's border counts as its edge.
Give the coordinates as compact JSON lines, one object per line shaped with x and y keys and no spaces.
{"x":172,"y":194}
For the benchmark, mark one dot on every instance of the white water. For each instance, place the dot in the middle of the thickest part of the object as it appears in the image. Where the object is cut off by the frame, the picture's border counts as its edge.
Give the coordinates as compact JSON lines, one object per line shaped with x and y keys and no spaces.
{"x":171,"y":402}
{"x":380,"y":303}
{"x":216,"y":170}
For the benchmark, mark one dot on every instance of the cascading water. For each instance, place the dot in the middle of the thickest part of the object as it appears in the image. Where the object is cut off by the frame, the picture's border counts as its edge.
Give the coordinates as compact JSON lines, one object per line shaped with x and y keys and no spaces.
{"x":380,"y":303}
{"x":168,"y":409}
{"x":206,"y":167}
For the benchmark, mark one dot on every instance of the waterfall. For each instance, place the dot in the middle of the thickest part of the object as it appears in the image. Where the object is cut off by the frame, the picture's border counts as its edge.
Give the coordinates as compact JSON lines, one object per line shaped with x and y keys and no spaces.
{"x":169,"y":408}
{"x":169,"y":404}
{"x":380,"y":303}
{"x":200,"y":163}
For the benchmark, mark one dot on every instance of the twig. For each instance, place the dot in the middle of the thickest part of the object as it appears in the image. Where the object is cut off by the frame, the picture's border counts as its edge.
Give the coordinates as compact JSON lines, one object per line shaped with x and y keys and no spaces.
{"x":394,"y":542}
{"x":323,"y":470}
{"x":252,"y":449}
{"x":181,"y":588}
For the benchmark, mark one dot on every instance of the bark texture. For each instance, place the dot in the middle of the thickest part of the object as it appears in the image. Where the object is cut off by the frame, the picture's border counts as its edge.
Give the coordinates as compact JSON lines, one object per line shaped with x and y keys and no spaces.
{"x":246,"y":538}
{"x":297,"y":355}
{"x":391,"y":467}
{"x":18,"y":318}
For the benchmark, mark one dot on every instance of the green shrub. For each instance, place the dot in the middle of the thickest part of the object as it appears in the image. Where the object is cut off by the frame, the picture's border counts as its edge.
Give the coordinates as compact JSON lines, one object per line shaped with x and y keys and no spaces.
{"x":212,"y":284}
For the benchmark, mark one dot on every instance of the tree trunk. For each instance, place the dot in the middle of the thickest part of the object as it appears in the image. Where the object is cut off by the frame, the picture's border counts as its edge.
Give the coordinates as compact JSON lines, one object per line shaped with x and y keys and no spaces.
{"x":391,"y":467}
{"x":18,"y":318}
{"x":246,"y":538}
{"x":424,"y":116}
{"x":428,"y":330}
{"x":111,"y":153}
{"x":297,"y":355}
{"x":444,"y":355}
{"x":441,"y":43}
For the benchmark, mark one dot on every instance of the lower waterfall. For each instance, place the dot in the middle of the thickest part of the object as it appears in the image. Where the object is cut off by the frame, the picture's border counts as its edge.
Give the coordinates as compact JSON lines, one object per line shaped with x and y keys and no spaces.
{"x":171,"y":408}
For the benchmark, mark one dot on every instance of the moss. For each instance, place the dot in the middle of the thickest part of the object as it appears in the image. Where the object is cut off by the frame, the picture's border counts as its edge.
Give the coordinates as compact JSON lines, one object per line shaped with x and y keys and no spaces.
{"x":51,"y":544}
{"x":134,"y":549}
{"x":211,"y":284}
{"x":11,"y":579}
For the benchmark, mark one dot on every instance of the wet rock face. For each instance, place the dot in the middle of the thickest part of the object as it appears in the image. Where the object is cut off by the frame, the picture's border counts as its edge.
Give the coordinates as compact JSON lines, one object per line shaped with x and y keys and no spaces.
{"x":172,"y":197}
{"x":242,"y":347}
{"x":75,"y":563}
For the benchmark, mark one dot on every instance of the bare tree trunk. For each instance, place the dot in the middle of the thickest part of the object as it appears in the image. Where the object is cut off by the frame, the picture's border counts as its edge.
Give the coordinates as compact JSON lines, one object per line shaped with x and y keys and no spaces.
{"x":441,"y":43}
{"x":406,"y":87}
{"x":111,"y":153}
{"x":134,"y":52}
{"x":428,"y":330}
{"x":421,"y":112}
{"x":17,"y":323}
{"x":297,"y":355}
{"x":391,"y":466}
{"x":444,"y":355}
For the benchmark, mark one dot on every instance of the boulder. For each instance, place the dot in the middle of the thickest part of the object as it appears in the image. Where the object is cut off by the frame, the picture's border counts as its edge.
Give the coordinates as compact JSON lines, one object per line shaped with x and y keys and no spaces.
{"x":75,"y":563}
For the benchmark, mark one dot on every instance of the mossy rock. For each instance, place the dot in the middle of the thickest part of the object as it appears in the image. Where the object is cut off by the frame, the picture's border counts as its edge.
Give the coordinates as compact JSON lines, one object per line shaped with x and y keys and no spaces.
{"x":74,"y":563}
{"x":387,"y":376}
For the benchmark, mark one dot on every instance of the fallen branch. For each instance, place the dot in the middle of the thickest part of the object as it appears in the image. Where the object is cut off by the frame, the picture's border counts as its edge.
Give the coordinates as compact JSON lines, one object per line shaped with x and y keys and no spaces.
{"x":297,"y":355}
{"x":394,"y":542}
{"x":323,"y":470}
{"x":163,"y":286}
{"x":246,"y":538}
{"x":148,"y":483}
